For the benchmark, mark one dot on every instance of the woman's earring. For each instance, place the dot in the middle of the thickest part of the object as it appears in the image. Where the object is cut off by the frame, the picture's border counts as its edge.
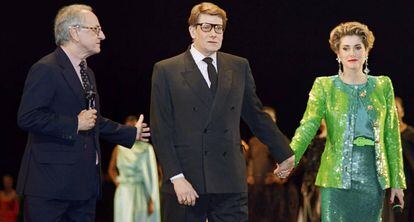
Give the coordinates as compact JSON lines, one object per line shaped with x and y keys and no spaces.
{"x":339,"y":66}
{"x":366,"y":70}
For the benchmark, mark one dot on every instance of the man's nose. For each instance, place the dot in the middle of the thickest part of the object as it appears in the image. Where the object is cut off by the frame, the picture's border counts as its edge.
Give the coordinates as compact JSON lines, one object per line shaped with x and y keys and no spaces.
{"x":213,"y":34}
{"x":101,"y":35}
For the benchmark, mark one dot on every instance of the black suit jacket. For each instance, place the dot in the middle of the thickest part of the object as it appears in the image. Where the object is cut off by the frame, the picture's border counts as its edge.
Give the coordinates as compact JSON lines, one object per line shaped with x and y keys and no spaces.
{"x":59,"y":162}
{"x":199,"y":135}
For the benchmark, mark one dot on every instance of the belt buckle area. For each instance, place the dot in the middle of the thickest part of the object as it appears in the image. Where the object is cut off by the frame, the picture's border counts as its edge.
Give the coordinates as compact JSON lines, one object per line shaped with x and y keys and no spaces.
{"x":362,"y":141}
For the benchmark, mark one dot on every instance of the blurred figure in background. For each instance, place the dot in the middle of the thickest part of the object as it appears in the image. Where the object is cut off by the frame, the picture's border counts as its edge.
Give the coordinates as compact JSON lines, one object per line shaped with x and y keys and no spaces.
{"x":134,"y":172}
{"x":311,"y":202}
{"x":407,"y":142}
{"x":9,"y":202}
{"x":270,"y":197}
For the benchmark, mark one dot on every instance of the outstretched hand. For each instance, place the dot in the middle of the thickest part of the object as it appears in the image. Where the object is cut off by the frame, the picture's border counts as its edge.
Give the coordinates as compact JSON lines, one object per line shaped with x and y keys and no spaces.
{"x":285,"y":168}
{"x":143,"y":131}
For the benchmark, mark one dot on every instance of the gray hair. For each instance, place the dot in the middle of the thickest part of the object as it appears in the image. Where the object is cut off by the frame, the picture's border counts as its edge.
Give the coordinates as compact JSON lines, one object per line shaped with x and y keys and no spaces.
{"x":66,"y":17}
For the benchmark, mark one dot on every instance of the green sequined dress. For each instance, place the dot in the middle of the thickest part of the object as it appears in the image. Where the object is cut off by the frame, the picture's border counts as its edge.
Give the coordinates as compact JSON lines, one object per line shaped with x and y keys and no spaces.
{"x":362,"y":202}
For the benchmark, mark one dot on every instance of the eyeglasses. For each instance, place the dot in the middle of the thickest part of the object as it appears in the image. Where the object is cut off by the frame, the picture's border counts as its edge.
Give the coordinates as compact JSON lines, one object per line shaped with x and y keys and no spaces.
{"x":97,"y":29}
{"x":206,"y":27}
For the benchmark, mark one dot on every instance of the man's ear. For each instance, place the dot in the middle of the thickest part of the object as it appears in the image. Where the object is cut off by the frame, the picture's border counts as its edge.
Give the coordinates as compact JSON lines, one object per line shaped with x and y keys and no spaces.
{"x":192,"y":30}
{"x":73,"y":34}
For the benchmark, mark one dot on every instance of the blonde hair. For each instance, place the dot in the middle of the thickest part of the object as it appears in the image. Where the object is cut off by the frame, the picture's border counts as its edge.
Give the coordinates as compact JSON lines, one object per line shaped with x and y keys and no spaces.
{"x":209,"y":9}
{"x":351,"y":28}
{"x":66,"y":17}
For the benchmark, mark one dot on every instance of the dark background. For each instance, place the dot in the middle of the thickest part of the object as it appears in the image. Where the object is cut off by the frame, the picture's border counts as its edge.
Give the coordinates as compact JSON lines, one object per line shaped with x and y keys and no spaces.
{"x":285,"y":41}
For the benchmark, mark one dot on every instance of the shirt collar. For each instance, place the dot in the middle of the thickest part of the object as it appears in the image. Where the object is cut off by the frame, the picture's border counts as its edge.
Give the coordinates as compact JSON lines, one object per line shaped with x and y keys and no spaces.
{"x":73,"y":59}
{"x":198,"y":56}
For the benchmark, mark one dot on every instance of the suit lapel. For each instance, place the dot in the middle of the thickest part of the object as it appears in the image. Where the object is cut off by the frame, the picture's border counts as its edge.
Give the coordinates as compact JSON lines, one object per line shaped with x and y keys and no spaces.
{"x":225,"y":79}
{"x":70,"y":75}
{"x":195,"y":80}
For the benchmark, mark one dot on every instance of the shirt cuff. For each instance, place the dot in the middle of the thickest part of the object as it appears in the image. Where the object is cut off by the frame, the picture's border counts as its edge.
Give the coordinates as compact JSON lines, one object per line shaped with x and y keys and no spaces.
{"x":177,"y":177}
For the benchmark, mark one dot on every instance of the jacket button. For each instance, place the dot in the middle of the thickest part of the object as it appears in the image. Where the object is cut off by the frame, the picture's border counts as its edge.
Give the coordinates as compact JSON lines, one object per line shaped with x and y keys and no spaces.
{"x":205,"y":130}
{"x":205,"y":153}
{"x":195,"y":109}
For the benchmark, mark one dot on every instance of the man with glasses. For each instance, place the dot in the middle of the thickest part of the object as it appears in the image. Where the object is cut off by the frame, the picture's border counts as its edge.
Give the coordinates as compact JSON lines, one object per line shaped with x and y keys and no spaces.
{"x":60,"y":172}
{"x":197,"y":100}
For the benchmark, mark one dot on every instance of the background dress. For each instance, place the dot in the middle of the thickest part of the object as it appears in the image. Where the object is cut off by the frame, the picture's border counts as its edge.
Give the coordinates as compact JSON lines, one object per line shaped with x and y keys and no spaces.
{"x":9,"y":208}
{"x":138,"y":181}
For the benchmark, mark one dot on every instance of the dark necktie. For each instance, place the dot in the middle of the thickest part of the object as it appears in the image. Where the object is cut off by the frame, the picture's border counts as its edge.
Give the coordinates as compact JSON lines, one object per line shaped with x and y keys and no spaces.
{"x":84,"y":76}
{"x":87,"y":86}
{"x":212,"y":74}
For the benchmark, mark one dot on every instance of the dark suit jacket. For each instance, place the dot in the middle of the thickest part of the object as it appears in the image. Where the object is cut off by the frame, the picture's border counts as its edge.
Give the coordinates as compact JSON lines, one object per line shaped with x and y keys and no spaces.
{"x":59,"y":162}
{"x":199,"y":135}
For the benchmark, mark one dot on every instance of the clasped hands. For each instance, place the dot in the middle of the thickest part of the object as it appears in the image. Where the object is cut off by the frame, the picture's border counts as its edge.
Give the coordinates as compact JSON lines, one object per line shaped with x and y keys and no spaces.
{"x":285,"y":168}
{"x":87,"y":120}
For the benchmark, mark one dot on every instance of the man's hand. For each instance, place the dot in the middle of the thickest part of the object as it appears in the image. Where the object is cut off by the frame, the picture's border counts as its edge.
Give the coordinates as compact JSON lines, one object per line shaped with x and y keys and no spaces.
{"x":185,"y":192}
{"x":400,"y":195}
{"x":285,"y":168}
{"x":271,"y":179}
{"x":143,"y":131}
{"x":86,"y":119}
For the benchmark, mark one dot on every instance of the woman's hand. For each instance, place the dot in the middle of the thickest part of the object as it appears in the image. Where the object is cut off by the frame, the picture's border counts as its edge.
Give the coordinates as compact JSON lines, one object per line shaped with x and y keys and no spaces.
{"x":150,"y":207}
{"x":400,"y":195}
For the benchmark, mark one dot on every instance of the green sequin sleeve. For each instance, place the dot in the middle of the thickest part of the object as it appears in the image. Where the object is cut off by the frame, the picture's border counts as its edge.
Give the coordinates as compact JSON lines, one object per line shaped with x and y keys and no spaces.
{"x":311,"y":120}
{"x":392,"y":140}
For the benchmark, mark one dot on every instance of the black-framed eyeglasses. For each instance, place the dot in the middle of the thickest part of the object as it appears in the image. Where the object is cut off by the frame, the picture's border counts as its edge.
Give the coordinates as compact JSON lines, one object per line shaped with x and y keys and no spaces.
{"x":96,"y":29}
{"x":206,"y":27}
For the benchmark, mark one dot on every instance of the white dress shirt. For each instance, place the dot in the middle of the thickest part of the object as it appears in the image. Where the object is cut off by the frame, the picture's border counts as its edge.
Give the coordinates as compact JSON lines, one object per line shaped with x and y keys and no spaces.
{"x":202,"y":66}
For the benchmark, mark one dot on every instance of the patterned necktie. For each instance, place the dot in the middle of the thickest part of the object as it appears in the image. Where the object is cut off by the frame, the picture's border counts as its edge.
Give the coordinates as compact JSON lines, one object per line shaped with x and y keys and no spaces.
{"x":87,"y":86}
{"x":85,"y":80}
{"x":212,"y":74}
